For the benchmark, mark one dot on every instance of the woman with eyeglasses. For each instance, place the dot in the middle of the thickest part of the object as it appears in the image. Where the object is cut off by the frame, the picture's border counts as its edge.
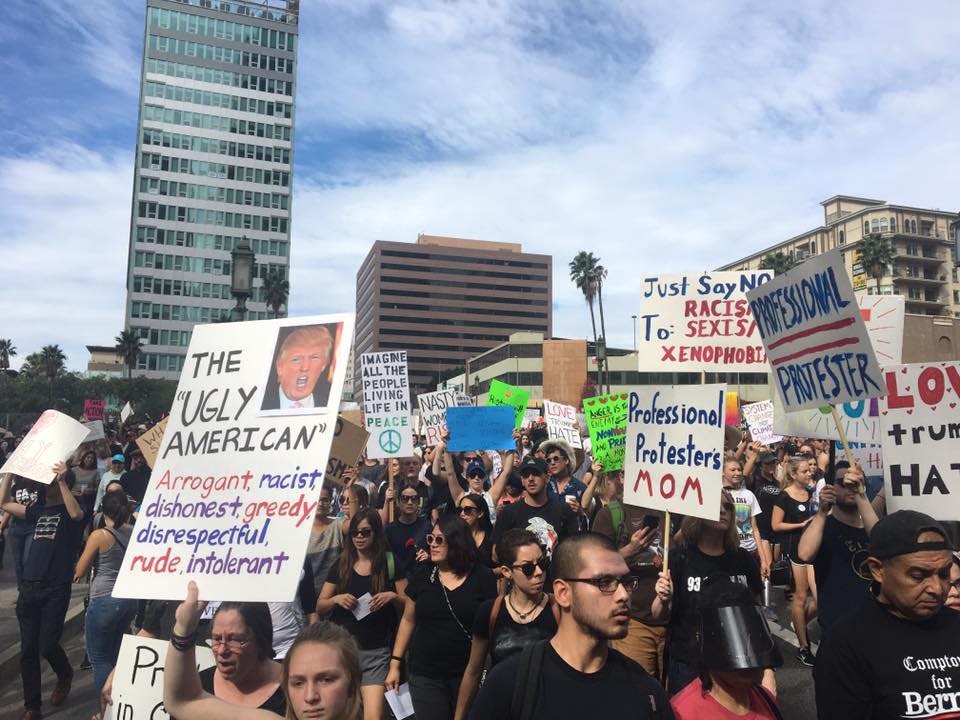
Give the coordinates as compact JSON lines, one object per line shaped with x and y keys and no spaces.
{"x":361,"y":596}
{"x":505,"y":625}
{"x":702,"y":548}
{"x":442,"y":601}
{"x":476,"y":514}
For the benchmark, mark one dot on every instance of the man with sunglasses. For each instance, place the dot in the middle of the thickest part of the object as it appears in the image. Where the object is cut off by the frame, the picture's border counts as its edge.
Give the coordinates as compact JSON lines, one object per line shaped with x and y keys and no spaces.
{"x":561,"y":462}
{"x":547,"y":516}
{"x":570,"y":674}
{"x":407,"y":534}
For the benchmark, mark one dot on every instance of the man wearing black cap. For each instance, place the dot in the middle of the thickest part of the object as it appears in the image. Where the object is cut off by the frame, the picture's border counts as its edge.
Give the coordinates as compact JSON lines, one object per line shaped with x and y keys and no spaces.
{"x":899,"y":655}
{"x":766,"y":488}
{"x":548,"y":517}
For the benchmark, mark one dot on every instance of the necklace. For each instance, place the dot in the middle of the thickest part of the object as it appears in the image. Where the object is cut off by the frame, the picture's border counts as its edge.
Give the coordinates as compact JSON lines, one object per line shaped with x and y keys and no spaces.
{"x":525,"y":615}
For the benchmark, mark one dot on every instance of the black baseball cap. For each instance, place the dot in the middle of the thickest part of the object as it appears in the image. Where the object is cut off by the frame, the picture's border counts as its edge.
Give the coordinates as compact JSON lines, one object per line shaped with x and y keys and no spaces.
{"x":898,"y":533}
{"x":534,"y":464}
{"x":765,"y":457}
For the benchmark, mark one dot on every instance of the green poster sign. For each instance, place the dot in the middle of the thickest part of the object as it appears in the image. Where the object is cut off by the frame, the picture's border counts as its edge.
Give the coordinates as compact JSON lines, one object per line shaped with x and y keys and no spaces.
{"x":503,"y":394}
{"x":607,"y":422}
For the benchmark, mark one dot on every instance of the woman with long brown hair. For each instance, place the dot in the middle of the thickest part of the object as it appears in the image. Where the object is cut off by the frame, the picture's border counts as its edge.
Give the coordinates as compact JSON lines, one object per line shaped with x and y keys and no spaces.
{"x":364,"y":577}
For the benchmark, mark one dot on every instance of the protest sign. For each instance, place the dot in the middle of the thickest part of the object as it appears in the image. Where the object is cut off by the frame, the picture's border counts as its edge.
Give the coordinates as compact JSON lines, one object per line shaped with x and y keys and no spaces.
{"x":920,"y":419}
{"x":432,"y":408}
{"x":759,"y":417}
{"x":699,"y":322}
{"x":530,"y":416}
{"x":883,"y":316}
{"x":95,"y":430}
{"x":860,"y":421}
{"x":386,"y":404}
{"x":731,"y":408}
{"x":561,"y":422}
{"x":93,"y":409}
{"x":233,"y":493}
{"x":138,"y":679}
{"x":814,"y":336}
{"x":149,"y":442}
{"x":870,"y":459}
{"x":126,"y":412}
{"x":503,"y":394}
{"x":607,"y":422}
{"x":674,"y":449}
{"x":53,"y":437}
{"x":480,"y":428}
{"x":349,"y":440}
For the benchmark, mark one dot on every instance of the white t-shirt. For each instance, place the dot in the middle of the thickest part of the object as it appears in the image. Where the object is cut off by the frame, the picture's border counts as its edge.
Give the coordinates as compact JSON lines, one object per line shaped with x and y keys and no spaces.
{"x":746,"y":507}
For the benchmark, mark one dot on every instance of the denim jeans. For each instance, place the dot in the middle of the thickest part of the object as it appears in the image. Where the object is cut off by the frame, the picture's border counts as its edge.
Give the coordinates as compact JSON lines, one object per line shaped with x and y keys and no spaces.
{"x":41,"y":609}
{"x":107,"y":619}
{"x":20,"y":534}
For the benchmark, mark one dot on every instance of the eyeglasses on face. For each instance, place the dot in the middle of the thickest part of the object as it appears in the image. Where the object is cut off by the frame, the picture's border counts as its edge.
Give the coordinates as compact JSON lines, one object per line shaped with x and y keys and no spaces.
{"x":229,"y":643}
{"x":362,"y":532}
{"x":555,"y":458}
{"x":437,"y":540}
{"x":409,"y":498}
{"x":607,"y":584}
{"x":476,"y":475}
{"x":530,"y":567}
{"x":467,"y":510}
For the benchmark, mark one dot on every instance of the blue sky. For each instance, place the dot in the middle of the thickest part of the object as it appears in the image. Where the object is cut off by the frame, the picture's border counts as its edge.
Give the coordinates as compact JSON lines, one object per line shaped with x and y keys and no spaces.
{"x":663,"y":139}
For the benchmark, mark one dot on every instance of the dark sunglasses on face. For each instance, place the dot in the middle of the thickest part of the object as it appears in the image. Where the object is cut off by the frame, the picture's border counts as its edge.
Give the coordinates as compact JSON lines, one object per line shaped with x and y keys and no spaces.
{"x":555,"y":458}
{"x":475,"y":475}
{"x":529,"y":568}
{"x":409,"y":498}
{"x":437,"y":540}
{"x":467,"y":510}
{"x":529,"y":473}
{"x":362,"y":533}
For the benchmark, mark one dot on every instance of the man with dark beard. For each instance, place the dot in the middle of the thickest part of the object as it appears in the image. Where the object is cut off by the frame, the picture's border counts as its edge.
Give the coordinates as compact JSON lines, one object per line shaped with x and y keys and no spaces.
{"x":570,"y":674}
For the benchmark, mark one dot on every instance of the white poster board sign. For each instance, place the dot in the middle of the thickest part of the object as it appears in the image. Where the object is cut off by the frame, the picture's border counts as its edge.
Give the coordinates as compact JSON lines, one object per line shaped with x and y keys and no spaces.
{"x":386,"y":404}
{"x":815,"y":337}
{"x":126,"y":412}
{"x":759,"y":417}
{"x":674,"y":449}
{"x":433,"y":406}
{"x":883,"y":316}
{"x":52,"y":439}
{"x":921,"y":438}
{"x":95,"y":430}
{"x":860,"y":419}
{"x":138,"y":679}
{"x":561,"y":422}
{"x":699,"y":322}
{"x":236,"y":484}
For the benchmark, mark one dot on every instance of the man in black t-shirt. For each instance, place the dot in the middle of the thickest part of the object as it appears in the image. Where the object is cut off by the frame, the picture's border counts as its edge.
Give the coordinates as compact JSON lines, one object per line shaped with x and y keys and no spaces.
{"x":45,"y":585}
{"x":137,"y":478}
{"x":576,"y":674}
{"x":899,"y":655}
{"x":407,"y":534}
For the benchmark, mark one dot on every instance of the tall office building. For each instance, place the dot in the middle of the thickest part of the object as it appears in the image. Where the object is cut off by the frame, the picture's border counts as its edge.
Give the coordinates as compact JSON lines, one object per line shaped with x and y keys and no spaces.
{"x":447,"y":299}
{"x":213,"y":165}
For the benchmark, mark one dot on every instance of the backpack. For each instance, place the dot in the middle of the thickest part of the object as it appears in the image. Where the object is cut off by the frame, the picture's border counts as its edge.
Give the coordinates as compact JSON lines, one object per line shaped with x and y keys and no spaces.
{"x":616,"y":517}
{"x":391,"y":567}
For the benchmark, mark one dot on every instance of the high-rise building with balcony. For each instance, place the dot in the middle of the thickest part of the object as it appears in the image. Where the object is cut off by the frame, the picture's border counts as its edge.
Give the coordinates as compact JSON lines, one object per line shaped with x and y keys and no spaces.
{"x":924,"y":241}
{"x":213,"y":165}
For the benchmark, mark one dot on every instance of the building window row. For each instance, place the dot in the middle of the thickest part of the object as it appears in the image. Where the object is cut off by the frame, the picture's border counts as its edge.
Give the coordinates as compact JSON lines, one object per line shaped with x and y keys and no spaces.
{"x":160,"y":361}
{"x":171,"y":188}
{"x":883,"y":225}
{"x":466,"y":259}
{"x":244,"y":58}
{"x":260,"y":10}
{"x":201,"y":216}
{"x":204,"y":121}
{"x":468,"y":285}
{"x":223,"y":29}
{"x":240,"y":103}
{"x":208,"y":241}
{"x":188,"y":288}
{"x":181,"y":263}
{"x":387,"y":345}
{"x":217,"y":147}
{"x":538,"y":280}
{"x":157,"y":336}
{"x":222,"y":171}
{"x":146,"y":310}
{"x":220,"y":77}
{"x":476,"y":311}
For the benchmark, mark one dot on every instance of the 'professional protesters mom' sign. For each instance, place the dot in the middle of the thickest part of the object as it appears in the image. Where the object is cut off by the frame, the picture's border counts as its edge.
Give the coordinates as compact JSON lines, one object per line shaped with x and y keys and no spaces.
{"x":231,"y":500}
{"x":699,"y":322}
{"x":674,"y":455}
{"x":815,"y":338}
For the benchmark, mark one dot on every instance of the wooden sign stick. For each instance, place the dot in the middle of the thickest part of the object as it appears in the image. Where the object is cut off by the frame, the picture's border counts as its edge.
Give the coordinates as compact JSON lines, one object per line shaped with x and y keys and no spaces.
{"x":666,"y":540}
{"x":843,"y":437}
{"x":390,"y":476}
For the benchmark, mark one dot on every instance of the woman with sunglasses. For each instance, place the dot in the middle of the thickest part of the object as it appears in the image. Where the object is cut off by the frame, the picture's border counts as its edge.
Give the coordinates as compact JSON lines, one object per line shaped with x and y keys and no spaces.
{"x":442,"y":602}
{"x":363,"y":575}
{"x":474,"y":470}
{"x":703,"y":548}
{"x":476,"y":514}
{"x":505,"y":625}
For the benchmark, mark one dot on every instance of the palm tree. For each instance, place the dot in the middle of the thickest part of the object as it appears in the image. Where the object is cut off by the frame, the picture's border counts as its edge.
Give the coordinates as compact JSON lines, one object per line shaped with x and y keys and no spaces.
{"x":779,"y":262}
{"x":587,"y":274}
{"x":52,"y":363}
{"x":128,"y":347}
{"x":7,"y":351}
{"x":876,"y":254}
{"x":275,"y":291}
{"x":599,"y":275}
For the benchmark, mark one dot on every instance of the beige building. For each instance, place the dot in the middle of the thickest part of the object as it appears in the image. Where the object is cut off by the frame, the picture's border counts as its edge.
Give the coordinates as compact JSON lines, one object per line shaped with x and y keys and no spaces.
{"x":924,"y":269}
{"x":104,"y":362}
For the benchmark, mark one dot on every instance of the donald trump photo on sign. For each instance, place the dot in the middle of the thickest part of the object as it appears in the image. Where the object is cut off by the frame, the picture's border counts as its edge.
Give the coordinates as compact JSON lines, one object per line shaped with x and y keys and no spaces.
{"x":302,"y":369}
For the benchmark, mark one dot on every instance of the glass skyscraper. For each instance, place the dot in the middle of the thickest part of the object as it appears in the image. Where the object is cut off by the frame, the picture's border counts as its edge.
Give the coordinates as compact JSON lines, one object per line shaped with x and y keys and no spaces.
{"x":213,"y":165}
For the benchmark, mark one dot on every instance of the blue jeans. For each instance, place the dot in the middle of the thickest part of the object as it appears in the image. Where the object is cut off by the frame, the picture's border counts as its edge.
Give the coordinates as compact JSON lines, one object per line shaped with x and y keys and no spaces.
{"x":41,"y":609}
{"x":20,"y":534}
{"x":107,"y":619}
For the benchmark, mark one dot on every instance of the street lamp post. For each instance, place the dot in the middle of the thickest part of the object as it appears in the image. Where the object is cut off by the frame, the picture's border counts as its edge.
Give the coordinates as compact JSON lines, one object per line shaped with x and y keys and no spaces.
{"x":634,"y":332}
{"x":242,"y":263}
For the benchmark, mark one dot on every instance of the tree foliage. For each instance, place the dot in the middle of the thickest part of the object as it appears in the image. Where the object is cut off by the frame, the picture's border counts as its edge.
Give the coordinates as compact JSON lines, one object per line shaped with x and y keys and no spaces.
{"x":128,"y":347}
{"x":7,"y":351}
{"x":779,"y":262}
{"x":876,"y":255}
{"x":276,"y":289}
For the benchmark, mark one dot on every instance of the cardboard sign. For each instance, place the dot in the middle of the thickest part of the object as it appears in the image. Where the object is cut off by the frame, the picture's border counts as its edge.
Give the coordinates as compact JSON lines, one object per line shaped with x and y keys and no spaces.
{"x":480,"y":428}
{"x":883,"y":316}
{"x":386,"y":404}
{"x":607,"y":422}
{"x":759,"y":417}
{"x":699,"y":321}
{"x":502,"y":394}
{"x":561,"y":422}
{"x":52,"y":439}
{"x":860,"y":421}
{"x":138,"y":678}
{"x":349,"y":440}
{"x":93,"y":409}
{"x":126,"y":412}
{"x":149,"y":442}
{"x":233,"y":493}
{"x":433,"y":407}
{"x":920,"y":418}
{"x":815,"y":338}
{"x":530,"y":416}
{"x":674,"y":457}
{"x":95,"y":431}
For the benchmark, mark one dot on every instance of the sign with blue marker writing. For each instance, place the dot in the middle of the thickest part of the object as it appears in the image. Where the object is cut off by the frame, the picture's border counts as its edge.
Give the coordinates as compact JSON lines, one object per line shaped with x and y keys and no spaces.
{"x":232,"y":495}
{"x":699,"y":322}
{"x":815,"y":338}
{"x":386,"y":404}
{"x":674,"y":449}
{"x":480,"y":428}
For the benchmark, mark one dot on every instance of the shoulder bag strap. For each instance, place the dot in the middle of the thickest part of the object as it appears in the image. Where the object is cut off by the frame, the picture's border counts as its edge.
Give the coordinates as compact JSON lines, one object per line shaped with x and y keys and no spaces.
{"x":494,"y":611}
{"x":117,"y":539}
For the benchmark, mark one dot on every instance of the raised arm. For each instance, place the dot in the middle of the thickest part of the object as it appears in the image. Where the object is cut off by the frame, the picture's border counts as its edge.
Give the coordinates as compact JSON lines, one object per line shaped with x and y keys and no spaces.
{"x":7,"y":504}
{"x":496,"y":490}
{"x":456,"y":492}
{"x":69,"y":501}
{"x":812,"y":537}
{"x":595,"y":472}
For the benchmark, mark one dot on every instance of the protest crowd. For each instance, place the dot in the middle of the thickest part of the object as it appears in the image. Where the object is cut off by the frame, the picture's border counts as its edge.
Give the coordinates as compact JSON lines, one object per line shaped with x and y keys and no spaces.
{"x":524,"y":581}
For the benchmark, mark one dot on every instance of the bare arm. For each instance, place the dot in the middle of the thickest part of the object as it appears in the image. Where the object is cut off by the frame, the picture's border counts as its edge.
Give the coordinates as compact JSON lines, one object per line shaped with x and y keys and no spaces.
{"x":69,"y":501}
{"x":94,"y":546}
{"x":496,"y":490}
{"x":595,"y":472}
{"x":663,"y":598}
{"x":778,"y":525}
{"x":812,"y":537}
{"x":470,"y":682}
{"x":15,"y":509}
{"x":761,"y":550}
{"x":456,"y":492}
{"x":404,"y":633}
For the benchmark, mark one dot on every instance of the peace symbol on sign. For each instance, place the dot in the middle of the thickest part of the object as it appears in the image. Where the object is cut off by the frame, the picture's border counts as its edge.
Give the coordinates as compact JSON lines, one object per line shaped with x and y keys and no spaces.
{"x":389,"y":441}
